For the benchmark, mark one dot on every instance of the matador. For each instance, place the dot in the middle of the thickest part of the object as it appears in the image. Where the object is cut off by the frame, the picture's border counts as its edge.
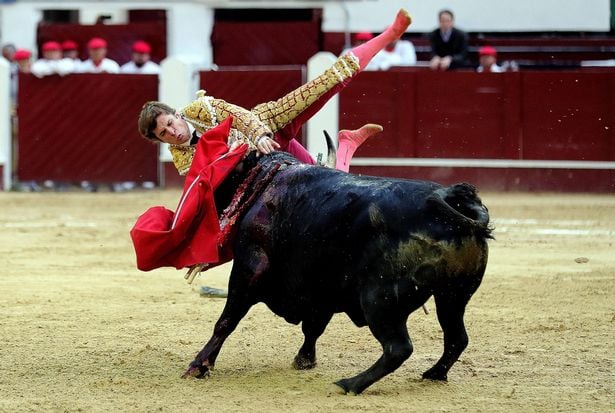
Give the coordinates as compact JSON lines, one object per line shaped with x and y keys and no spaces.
{"x":271,"y":125}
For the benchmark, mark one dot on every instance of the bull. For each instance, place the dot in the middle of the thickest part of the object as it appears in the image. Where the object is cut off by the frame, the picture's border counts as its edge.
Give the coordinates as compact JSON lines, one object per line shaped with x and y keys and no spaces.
{"x":312,"y":241}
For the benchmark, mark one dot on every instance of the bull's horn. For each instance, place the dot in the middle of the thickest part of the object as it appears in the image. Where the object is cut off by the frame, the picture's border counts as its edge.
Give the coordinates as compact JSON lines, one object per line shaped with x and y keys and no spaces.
{"x":331,"y":151}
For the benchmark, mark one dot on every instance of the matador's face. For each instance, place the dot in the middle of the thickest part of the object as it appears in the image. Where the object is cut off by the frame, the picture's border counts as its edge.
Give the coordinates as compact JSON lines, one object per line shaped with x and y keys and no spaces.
{"x":173,"y":129}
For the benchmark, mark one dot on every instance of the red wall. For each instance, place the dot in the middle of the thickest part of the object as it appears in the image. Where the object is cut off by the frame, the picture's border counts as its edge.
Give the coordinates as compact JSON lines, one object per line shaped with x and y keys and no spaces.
{"x":84,"y":127}
{"x":523,"y":116}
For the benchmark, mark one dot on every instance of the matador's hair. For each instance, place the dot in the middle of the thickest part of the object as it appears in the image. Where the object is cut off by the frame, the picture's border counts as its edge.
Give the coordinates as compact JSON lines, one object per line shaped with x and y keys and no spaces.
{"x":147,"y":118}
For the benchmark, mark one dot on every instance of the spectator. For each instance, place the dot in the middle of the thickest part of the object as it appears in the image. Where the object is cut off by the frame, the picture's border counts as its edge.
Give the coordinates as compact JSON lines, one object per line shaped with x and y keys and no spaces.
{"x":52,"y":61}
{"x":449,"y":45}
{"x":98,"y":61}
{"x":8,"y":51}
{"x":70,"y":50}
{"x":397,"y":53}
{"x":357,"y":40}
{"x":23,"y":59}
{"x":140,"y":62}
{"x":487,"y":59}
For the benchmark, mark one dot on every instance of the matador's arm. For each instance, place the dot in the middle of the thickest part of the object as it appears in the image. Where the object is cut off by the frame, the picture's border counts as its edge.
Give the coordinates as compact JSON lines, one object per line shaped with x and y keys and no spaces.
{"x":206,"y":112}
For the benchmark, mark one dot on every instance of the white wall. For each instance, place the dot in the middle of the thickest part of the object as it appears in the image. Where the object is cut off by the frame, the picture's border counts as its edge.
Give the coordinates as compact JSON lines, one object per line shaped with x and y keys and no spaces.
{"x":18,"y":20}
{"x":476,"y":15}
{"x":188,"y":22}
{"x":6,"y":137}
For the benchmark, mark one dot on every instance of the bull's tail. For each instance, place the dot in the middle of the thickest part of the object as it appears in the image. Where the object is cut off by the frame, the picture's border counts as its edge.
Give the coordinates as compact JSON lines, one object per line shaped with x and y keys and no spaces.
{"x":462,"y":201}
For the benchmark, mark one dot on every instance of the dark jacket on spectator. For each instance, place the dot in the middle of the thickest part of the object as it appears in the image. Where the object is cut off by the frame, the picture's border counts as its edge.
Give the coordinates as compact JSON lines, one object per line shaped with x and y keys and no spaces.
{"x":456,"y":47}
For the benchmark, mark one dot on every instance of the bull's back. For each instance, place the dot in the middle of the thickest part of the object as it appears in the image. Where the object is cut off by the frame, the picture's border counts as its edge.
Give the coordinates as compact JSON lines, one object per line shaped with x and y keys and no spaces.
{"x":328,"y":227}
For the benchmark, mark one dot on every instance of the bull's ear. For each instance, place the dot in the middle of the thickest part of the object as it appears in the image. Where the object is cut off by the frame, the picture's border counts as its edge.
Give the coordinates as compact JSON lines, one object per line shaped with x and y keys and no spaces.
{"x":331,"y":151}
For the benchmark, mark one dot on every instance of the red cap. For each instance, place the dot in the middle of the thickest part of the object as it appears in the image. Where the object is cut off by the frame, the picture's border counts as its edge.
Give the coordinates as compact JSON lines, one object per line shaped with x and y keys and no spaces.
{"x":487,"y":51}
{"x":51,"y":46}
{"x":22,"y":54}
{"x":97,"y":43}
{"x":364,"y":36}
{"x":141,"y":47}
{"x":69,"y":45}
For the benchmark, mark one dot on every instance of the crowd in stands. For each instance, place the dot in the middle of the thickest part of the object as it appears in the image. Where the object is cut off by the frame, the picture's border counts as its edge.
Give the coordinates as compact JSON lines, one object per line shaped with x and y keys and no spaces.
{"x":61,"y":58}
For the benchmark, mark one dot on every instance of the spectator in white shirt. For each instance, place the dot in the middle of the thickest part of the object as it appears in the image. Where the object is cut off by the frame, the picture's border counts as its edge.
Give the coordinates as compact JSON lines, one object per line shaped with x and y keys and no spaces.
{"x":52,"y":62}
{"x":98,"y":61}
{"x":141,"y":62}
{"x":23,"y":59}
{"x":397,"y":53}
{"x":70,"y":50}
{"x":487,"y":58}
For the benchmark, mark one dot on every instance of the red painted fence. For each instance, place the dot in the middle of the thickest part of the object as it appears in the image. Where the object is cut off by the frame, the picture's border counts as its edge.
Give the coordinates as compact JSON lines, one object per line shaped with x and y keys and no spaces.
{"x":500,"y":131}
{"x":84,"y":127}
{"x":510,"y":131}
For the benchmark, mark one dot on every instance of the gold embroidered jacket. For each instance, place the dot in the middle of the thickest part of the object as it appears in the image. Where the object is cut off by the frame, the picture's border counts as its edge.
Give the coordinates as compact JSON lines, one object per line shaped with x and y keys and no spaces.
{"x":266,"y":118}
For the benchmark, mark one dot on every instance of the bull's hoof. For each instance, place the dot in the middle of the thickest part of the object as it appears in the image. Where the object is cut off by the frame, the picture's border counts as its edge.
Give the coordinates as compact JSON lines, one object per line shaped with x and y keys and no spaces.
{"x":343,"y":387}
{"x":196,"y":370}
{"x":435,"y":374}
{"x":303,"y":363}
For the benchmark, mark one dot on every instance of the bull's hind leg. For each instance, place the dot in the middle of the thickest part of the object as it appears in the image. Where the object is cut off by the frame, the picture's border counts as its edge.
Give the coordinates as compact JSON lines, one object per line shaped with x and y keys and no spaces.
{"x":387,"y":322}
{"x":450,"y":309}
{"x":312,"y":329}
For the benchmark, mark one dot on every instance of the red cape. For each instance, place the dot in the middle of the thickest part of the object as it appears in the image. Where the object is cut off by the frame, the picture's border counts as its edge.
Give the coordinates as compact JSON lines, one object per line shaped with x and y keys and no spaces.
{"x":162,"y":238}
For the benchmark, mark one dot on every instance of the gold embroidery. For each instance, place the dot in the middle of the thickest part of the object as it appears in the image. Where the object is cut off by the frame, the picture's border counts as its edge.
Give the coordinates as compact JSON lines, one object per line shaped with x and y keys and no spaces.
{"x":281,"y":112}
{"x":182,"y":157}
{"x":265,"y":119}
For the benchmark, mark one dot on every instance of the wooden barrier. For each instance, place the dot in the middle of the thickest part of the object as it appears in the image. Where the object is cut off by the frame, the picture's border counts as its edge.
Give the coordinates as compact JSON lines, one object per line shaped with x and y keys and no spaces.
{"x":539,"y":131}
{"x":84,"y":127}
{"x":509,"y":131}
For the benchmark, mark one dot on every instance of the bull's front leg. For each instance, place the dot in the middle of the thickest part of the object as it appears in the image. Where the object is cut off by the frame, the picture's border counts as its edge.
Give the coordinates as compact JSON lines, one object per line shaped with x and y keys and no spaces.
{"x":234,"y":310}
{"x":249,"y":265}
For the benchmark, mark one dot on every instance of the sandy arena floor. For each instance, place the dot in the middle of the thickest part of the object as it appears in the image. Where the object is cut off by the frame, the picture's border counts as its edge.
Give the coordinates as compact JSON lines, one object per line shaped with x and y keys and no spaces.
{"x":83,"y":330}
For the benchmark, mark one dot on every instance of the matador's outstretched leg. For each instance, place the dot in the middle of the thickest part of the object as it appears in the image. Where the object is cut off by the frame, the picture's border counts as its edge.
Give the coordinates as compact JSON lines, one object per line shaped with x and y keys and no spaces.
{"x":287,"y":115}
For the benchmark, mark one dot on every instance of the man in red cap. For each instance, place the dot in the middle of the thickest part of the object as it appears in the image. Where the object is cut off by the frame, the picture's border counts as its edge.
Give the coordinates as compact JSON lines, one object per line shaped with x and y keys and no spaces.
{"x":98,"y":61}
{"x":52,"y":61}
{"x":140,"y":62}
{"x":487,"y":58}
{"x":70,"y":50}
{"x":22,"y":58}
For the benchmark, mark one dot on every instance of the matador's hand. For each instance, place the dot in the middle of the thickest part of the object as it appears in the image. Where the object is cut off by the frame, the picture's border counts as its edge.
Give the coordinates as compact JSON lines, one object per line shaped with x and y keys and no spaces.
{"x":266,"y":145}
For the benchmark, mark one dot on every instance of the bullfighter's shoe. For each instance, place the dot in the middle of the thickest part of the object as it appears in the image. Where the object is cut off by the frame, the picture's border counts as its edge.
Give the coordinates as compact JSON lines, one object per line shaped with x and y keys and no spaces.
{"x":350,"y":140}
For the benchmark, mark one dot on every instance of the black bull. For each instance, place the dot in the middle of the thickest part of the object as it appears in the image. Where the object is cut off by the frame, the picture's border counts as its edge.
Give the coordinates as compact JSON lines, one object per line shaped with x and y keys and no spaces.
{"x":316,"y":241}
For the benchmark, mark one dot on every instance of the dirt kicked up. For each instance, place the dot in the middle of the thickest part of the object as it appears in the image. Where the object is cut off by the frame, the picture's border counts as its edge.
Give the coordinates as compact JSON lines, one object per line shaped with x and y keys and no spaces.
{"x":83,"y":330}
